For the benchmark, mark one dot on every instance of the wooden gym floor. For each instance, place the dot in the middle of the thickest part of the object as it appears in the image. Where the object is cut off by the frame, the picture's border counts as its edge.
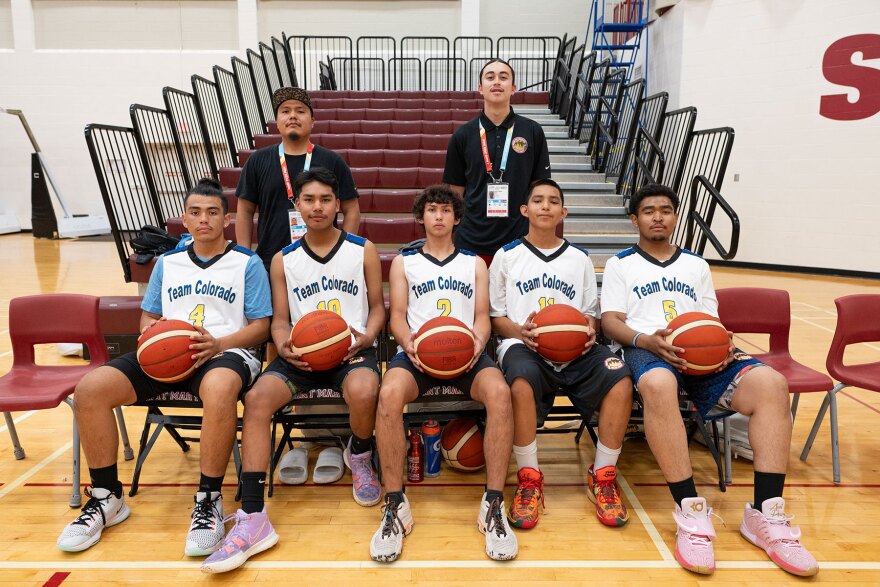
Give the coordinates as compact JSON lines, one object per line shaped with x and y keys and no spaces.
{"x":325,"y":535}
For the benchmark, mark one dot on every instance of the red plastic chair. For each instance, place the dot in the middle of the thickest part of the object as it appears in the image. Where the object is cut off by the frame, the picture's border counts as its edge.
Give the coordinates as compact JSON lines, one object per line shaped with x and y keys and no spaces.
{"x":45,"y":319}
{"x":752,"y":310}
{"x":858,"y":321}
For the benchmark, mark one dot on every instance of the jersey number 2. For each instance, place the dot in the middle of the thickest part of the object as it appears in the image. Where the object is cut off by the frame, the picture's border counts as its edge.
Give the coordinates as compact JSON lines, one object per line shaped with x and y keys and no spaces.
{"x":445,"y":306}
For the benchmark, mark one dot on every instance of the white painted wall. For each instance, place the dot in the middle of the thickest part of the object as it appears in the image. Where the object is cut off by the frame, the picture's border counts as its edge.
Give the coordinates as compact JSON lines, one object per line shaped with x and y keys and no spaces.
{"x":807,"y":191}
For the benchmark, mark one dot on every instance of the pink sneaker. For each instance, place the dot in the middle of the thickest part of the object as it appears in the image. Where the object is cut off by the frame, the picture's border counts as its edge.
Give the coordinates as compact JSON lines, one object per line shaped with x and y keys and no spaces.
{"x":769,"y":528}
{"x":693,"y":539}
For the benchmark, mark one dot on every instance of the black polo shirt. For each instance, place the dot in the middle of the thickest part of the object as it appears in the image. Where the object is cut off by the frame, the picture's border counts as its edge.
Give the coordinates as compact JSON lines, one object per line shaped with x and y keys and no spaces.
{"x":528,"y":161}
{"x":262,"y":183}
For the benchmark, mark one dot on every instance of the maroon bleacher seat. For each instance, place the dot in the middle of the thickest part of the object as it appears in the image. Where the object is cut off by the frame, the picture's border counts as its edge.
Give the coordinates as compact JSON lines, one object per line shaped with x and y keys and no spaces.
{"x":355,"y":102}
{"x":431,"y":159}
{"x":361,"y":141}
{"x":319,"y":104}
{"x":383,"y":103}
{"x":362,"y":157}
{"x":244,"y":155}
{"x":402,"y":142}
{"x":430,"y":176}
{"x":391,"y":230}
{"x":231,"y":199}
{"x":387,"y":201}
{"x":378,"y":114}
{"x":385,"y":259}
{"x":406,"y":127}
{"x":345,"y":114}
{"x":229,"y":176}
{"x":335,"y":142}
{"x":399,"y":158}
{"x":433,"y":142}
{"x":394,"y":178}
{"x":140,"y":273}
{"x":375,"y":127}
{"x":266,"y":140}
{"x":410,"y":103}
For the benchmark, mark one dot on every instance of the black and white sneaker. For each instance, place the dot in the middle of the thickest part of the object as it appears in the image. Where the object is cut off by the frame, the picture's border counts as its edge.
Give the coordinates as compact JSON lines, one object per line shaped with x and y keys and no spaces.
{"x":102,"y":510}
{"x":206,"y":530}
{"x":397,"y":522}
{"x":501,"y":543}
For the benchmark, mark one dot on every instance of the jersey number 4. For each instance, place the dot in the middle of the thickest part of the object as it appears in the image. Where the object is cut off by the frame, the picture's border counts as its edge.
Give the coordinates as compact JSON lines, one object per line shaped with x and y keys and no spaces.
{"x":197,"y":316}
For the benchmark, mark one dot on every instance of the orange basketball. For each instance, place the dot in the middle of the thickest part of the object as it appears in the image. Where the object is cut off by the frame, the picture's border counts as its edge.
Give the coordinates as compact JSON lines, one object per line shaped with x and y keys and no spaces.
{"x":562,"y":333}
{"x":704,"y":339}
{"x":321,"y":338}
{"x":444,"y":347}
{"x":461,"y":444}
{"x":163,"y":351}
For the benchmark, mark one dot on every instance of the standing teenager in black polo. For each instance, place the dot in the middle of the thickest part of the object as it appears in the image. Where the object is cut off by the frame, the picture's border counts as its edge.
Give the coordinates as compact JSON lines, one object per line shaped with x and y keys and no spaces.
{"x":491,"y":162}
{"x":267,"y":178}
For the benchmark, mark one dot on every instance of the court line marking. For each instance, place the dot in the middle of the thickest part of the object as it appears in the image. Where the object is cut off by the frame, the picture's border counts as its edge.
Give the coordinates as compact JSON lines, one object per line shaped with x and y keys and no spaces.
{"x":650,"y":528}
{"x":427,"y":564}
{"x":35,"y":469}
{"x":24,"y":416}
{"x":871,"y":346}
{"x":6,"y":353}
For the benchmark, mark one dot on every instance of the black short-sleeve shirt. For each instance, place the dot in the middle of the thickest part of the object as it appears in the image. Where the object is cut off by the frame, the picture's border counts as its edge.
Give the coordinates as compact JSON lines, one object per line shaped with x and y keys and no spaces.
{"x":262,"y":183}
{"x":529,"y":161}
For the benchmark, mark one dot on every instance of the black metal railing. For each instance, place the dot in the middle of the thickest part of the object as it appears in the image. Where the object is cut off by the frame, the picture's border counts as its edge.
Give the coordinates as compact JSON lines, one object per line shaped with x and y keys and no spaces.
{"x":583,"y":129}
{"x":678,"y":126}
{"x":307,"y":51}
{"x":559,"y":83}
{"x":580,"y":93}
{"x":123,"y":184}
{"x":629,"y":109}
{"x":703,"y":202}
{"x":605,"y":121}
{"x":214,"y":126}
{"x":650,"y":162}
{"x":273,"y":71}
{"x":194,"y":145}
{"x":283,"y":60}
{"x":707,"y":156}
{"x":162,"y":158}
{"x":247,"y":95}
{"x":261,"y":85}
{"x":233,"y":111}
{"x":651,"y":120}
{"x":567,"y":79}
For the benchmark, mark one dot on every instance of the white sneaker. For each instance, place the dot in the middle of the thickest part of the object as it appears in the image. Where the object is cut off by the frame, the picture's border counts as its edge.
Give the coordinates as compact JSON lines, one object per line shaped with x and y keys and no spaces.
{"x":101,"y":511}
{"x":501,"y":543}
{"x":206,"y":530}
{"x":387,"y":543}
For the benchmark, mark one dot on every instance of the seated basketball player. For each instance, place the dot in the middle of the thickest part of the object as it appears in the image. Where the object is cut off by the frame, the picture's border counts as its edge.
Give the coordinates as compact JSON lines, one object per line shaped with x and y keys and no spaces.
{"x":227,"y":326}
{"x":644,"y":288}
{"x":305,"y":276}
{"x":417,"y":295}
{"x":597,"y":380}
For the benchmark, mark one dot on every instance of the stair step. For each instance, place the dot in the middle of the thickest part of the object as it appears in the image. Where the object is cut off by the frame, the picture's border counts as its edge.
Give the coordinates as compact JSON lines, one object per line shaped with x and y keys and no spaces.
{"x":531,"y":110}
{"x":589,"y":227}
{"x":575,"y":199}
{"x":583,"y":186}
{"x":575,"y":212}
{"x":555,"y":134}
{"x":560,"y":175}
{"x":618,"y":27}
{"x":616,"y":240}
{"x":563,"y":166}
{"x":567,"y":148}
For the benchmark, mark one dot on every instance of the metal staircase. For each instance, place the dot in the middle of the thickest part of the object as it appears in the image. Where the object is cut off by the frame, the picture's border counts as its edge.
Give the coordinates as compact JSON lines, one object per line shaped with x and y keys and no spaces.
{"x":617,"y":27}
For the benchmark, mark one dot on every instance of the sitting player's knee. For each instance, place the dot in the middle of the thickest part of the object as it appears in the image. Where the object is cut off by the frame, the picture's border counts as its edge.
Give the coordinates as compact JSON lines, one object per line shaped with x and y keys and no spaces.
{"x":259,"y":403}
{"x":497,"y":396}
{"x":391,"y":402}
{"x":657,"y":386}
{"x":520,"y":389}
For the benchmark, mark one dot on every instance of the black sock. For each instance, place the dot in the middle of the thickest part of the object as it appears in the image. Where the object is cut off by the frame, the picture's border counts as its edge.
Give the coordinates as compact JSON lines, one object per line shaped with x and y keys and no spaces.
{"x":253,"y":488}
{"x":683,"y":489}
{"x":767,"y":486}
{"x":394,"y":498}
{"x":107,"y":478}
{"x":360,"y":445}
{"x":491,"y":494}
{"x":209,"y":484}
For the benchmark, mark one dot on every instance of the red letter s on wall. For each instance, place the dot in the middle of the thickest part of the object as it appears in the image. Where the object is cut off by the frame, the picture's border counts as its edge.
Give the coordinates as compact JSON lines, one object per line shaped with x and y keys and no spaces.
{"x":838,"y":68}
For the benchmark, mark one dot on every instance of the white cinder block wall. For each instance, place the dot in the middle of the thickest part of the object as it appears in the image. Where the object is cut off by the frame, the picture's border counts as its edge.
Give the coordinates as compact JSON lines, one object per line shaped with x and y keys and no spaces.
{"x":68,"y":63}
{"x":807,"y":191}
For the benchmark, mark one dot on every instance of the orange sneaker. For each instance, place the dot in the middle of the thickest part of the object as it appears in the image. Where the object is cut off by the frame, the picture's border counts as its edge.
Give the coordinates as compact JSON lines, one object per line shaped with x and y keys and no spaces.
{"x":528,"y":500}
{"x":604,"y":491}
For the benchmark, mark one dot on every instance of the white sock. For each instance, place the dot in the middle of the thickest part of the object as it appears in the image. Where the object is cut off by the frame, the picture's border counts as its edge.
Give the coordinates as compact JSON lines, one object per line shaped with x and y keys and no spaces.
{"x":605,"y":456}
{"x":527,"y":456}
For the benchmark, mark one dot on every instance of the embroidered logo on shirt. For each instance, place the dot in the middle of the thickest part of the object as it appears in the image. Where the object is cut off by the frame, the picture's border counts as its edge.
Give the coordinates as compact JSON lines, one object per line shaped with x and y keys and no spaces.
{"x":520,"y":145}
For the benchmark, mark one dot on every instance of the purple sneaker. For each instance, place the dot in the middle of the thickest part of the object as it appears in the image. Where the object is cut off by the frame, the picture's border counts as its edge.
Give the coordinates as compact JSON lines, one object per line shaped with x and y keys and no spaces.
{"x":365,"y":484}
{"x":252,"y":534}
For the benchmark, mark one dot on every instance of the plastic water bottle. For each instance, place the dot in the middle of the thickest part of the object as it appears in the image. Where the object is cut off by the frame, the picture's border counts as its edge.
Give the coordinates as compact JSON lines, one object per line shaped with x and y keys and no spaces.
{"x":431,"y":435}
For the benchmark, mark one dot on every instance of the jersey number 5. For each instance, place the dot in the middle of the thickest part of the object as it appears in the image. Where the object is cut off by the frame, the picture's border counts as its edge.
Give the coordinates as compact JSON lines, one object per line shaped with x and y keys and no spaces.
{"x":669,"y":311}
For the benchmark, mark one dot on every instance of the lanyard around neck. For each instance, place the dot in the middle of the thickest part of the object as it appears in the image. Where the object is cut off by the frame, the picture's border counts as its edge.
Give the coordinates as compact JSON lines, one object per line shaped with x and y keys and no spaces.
{"x":486,"y":158}
{"x":284,"y":173}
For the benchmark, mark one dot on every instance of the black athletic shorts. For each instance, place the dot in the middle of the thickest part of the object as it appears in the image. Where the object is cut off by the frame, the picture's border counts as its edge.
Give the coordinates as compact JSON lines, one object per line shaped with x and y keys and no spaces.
{"x":148,"y":388}
{"x":314,"y":384}
{"x":430,"y":386}
{"x":586,"y":380}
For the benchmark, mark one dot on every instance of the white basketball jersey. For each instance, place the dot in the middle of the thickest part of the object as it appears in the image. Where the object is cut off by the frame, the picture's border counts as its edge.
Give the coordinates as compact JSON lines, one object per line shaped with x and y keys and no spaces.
{"x":440,"y":288}
{"x":652,"y":293}
{"x":335,"y":282}
{"x":524,"y":279}
{"x":207,"y":293}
